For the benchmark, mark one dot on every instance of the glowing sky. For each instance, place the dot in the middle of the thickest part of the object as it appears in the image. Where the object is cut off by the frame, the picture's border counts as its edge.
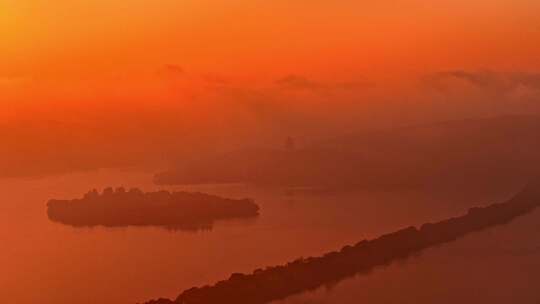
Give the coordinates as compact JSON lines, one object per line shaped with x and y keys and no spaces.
{"x":130,"y":77}
{"x":74,"y":50}
{"x":208,"y":33}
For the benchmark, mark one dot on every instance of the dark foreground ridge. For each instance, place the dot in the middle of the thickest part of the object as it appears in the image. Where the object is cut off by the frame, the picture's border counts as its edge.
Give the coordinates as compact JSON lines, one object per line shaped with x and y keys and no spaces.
{"x":176,"y":210}
{"x":274,"y":283}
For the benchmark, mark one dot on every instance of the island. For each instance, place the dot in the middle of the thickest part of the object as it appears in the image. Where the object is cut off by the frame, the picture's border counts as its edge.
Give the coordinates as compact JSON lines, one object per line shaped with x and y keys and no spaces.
{"x":176,"y":210}
{"x":278,"y":282}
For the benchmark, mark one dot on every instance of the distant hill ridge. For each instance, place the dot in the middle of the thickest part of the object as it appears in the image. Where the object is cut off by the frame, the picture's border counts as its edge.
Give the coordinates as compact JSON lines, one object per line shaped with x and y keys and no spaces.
{"x":492,"y":150}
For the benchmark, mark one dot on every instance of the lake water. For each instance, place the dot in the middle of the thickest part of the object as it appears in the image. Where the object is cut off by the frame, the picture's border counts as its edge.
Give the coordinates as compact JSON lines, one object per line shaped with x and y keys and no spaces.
{"x":45,"y":262}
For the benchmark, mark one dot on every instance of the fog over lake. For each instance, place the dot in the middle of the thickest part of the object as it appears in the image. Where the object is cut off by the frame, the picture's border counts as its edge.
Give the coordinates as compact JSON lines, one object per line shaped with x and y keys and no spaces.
{"x":62,"y":264}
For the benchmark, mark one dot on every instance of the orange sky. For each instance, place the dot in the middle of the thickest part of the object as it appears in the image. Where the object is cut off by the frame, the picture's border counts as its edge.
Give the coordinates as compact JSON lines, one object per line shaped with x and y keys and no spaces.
{"x":69,"y":52}
{"x":177,"y":78}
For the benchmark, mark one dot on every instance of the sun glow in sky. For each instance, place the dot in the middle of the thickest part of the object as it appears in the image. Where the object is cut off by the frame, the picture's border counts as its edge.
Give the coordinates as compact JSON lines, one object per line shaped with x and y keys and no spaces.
{"x":74,"y":50}
{"x":155,"y":79}
{"x":209,"y":32}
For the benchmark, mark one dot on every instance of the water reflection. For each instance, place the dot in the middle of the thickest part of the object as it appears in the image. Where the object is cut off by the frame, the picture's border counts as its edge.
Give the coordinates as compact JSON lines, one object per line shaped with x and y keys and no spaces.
{"x":277,"y":282}
{"x":111,"y":266}
{"x":499,"y":265}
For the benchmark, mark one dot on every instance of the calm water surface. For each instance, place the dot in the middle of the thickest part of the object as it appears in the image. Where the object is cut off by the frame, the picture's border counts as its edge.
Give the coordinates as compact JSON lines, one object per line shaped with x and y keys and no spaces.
{"x":496,"y":266}
{"x":45,"y":262}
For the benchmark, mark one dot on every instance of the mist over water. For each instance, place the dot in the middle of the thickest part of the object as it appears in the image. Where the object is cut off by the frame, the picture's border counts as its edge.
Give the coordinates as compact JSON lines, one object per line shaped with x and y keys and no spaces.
{"x":129,"y":265}
{"x":292,"y":129}
{"x":500,"y":263}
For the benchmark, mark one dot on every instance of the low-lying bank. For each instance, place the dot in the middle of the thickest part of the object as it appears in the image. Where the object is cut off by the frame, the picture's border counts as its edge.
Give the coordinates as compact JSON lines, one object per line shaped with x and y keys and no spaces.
{"x":278,"y":282}
{"x":176,"y":210}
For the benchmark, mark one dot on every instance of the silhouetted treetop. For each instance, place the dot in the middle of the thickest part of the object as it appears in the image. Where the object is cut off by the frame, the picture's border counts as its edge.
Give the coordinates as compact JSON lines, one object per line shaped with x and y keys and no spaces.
{"x":118,"y":207}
